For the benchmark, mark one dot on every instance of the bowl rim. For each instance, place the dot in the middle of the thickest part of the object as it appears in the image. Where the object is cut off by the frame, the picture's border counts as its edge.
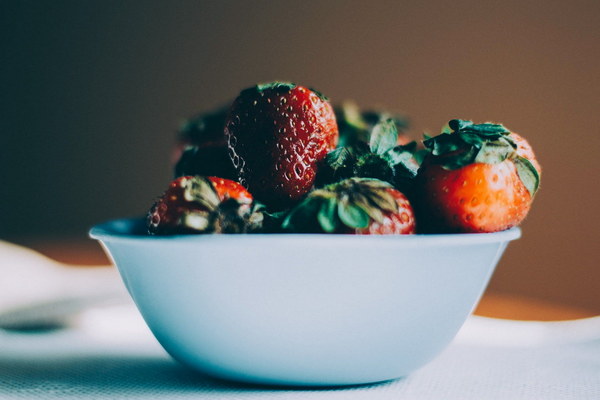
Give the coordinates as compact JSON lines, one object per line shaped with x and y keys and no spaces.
{"x":121,"y":230}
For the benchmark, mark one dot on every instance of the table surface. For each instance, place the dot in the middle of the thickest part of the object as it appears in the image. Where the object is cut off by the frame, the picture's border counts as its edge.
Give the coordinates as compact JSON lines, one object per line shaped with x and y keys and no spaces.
{"x":495,"y":304}
{"x":491,"y":358}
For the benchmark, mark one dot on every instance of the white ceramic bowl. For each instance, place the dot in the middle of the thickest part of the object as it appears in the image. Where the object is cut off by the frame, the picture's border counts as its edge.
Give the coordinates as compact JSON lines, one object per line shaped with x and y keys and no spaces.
{"x":303,"y":309}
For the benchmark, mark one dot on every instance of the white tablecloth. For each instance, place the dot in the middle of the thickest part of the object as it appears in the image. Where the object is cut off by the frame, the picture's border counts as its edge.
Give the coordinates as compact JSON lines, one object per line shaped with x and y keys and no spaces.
{"x":110,"y":354}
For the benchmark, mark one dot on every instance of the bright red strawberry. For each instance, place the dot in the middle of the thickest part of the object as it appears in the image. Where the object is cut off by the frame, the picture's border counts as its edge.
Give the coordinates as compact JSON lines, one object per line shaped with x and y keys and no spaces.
{"x":277,"y":133}
{"x":361,"y":206}
{"x":477,"y":178}
{"x":195,"y":204}
{"x":228,"y":189}
{"x":397,"y":222}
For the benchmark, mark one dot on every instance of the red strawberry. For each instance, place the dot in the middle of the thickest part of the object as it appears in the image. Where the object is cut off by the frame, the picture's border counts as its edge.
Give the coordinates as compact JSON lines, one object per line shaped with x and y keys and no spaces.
{"x":362,"y":206}
{"x":477,"y":178}
{"x":194,"y":204}
{"x":277,"y":133}
{"x":202,"y":147}
{"x":205,"y":129}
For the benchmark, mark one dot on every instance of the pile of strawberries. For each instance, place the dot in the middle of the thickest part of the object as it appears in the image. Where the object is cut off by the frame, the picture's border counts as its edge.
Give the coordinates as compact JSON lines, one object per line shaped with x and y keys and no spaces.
{"x":282,"y":159}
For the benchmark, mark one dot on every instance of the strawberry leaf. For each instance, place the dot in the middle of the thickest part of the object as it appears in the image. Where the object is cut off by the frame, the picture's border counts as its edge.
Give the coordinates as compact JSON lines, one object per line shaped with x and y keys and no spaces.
{"x":337,"y":165}
{"x":327,"y":215}
{"x":339,"y":159}
{"x":493,"y":153}
{"x":233,"y":217}
{"x":458,"y":160}
{"x":352,"y":116}
{"x":402,"y":160}
{"x":384,"y":136}
{"x":351,"y":124}
{"x":468,"y":143}
{"x":201,"y":191}
{"x":300,"y":218}
{"x":287,"y":86}
{"x":352,"y":215}
{"x":319,"y":94}
{"x":342,"y":207}
{"x":459,"y":124}
{"x":528,"y":174}
{"x":373,"y":166}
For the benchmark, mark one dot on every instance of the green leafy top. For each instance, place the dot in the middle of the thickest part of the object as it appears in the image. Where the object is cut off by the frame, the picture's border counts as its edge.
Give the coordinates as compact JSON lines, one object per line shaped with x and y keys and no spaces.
{"x":342,"y":207}
{"x":357,"y":125}
{"x":462,"y":143}
{"x":319,"y":94}
{"x":260,"y":88}
{"x":372,"y":153}
{"x":274,"y":85}
{"x":278,"y":87}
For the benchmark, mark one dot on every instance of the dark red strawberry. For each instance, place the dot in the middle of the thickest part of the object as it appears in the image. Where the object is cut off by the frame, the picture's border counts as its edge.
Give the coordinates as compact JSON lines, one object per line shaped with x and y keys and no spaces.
{"x":205,"y":129}
{"x":202,"y":147}
{"x":357,"y":205}
{"x":477,"y":178}
{"x":195,"y":204}
{"x":203,"y":161}
{"x":277,"y":133}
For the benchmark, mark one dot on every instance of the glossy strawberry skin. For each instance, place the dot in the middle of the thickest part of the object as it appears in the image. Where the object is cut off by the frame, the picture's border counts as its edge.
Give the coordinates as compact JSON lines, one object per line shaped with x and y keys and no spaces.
{"x":475,"y":178}
{"x":228,"y":189}
{"x":276,"y":135}
{"x":401,"y":222}
{"x":166,"y":213}
{"x":475,"y":198}
{"x":478,"y":197}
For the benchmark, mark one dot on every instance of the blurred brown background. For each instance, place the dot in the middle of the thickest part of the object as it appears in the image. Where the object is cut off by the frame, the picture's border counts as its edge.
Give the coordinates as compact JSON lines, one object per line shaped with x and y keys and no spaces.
{"x":93,"y":92}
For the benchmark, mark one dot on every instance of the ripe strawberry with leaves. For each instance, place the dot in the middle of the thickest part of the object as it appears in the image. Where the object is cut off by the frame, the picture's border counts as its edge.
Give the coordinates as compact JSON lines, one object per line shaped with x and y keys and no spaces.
{"x":277,"y":132}
{"x":356,"y":205}
{"x":195,"y":204}
{"x":476,"y":178}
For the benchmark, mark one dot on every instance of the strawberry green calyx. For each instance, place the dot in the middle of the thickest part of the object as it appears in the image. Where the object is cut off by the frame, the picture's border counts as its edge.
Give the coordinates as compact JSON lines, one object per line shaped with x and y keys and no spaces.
{"x":262,"y":88}
{"x":528,"y":174}
{"x":234,"y":217}
{"x":283,"y":86}
{"x":214,"y":215}
{"x":381,"y":158}
{"x":357,"y":125}
{"x":342,"y":207}
{"x":463,"y":143}
{"x":319,"y":94}
{"x":193,"y":205}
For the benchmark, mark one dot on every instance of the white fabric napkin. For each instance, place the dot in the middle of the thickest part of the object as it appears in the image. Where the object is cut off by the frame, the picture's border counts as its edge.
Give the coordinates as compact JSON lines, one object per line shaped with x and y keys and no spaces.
{"x":111,"y":354}
{"x":37,"y":292}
